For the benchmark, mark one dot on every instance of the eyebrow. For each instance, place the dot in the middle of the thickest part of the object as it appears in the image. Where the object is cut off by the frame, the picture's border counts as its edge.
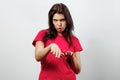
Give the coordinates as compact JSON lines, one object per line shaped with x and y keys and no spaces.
{"x":59,"y":19}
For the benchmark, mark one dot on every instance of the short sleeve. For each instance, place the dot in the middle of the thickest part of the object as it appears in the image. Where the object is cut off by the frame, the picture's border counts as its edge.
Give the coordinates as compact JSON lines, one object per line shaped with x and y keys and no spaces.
{"x":77,"y":45}
{"x":39,"y":36}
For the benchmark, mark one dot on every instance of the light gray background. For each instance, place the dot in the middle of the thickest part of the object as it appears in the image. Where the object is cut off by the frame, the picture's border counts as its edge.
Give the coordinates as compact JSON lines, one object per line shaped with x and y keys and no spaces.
{"x":97,"y":25}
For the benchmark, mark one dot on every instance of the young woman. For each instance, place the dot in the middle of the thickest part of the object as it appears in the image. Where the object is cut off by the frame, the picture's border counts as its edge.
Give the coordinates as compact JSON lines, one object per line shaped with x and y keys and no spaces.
{"x":57,"y":48}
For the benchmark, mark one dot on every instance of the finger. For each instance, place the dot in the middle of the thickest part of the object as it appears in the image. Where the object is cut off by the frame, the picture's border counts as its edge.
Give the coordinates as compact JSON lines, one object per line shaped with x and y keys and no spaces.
{"x":68,"y":52}
{"x":56,"y":53}
{"x":53,"y":53}
{"x":59,"y":54}
{"x":62,"y":54}
{"x":65,"y":53}
{"x":71,"y":53}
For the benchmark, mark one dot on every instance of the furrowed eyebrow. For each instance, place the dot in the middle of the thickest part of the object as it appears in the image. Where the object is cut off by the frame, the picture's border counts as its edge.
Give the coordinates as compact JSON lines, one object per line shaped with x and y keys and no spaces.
{"x":62,"y":19}
{"x":55,"y":20}
{"x":59,"y":19}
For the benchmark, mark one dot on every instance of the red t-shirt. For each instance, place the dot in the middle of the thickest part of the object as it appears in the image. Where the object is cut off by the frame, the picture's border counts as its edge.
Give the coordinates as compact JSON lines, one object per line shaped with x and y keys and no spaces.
{"x":53,"y":68}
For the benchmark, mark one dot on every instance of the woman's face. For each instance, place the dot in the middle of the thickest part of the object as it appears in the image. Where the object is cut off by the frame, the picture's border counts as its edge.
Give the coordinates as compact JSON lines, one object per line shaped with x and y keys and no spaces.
{"x":59,"y":22}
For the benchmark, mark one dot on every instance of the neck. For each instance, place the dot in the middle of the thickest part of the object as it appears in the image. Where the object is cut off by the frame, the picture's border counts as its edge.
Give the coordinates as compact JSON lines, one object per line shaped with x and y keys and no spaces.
{"x":60,"y":34}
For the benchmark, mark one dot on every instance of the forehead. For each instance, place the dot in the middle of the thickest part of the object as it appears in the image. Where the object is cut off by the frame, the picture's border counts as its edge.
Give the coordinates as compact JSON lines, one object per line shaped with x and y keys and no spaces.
{"x":58,"y":16}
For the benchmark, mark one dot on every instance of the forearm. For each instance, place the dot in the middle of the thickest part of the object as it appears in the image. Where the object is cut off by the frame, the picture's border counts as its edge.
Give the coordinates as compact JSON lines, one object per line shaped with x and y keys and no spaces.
{"x":76,"y":64}
{"x":41,"y":51}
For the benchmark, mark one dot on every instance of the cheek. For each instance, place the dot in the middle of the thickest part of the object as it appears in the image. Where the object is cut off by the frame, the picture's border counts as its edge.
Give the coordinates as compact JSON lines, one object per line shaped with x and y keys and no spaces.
{"x":65,"y":25}
{"x":54,"y":24}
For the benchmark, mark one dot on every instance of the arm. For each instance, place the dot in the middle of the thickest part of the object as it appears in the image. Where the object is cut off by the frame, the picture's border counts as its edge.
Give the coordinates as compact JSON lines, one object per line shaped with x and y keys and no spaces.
{"x":41,"y":51}
{"x":75,"y":62}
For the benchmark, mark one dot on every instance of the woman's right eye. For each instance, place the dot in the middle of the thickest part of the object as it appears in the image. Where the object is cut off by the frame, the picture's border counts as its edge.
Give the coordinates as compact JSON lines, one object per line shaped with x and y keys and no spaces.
{"x":55,"y":20}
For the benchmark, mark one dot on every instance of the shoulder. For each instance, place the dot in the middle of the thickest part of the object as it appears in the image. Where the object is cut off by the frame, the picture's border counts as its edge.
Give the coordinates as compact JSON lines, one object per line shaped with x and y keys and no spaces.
{"x":76,"y":44}
{"x":43,"y":31}
{"x":40,"y":35}
{"x":74,"y":38}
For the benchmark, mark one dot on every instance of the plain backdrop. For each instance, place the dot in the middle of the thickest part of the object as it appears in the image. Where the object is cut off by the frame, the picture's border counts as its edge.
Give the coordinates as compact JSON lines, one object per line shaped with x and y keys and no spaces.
{"x":97,"y":25}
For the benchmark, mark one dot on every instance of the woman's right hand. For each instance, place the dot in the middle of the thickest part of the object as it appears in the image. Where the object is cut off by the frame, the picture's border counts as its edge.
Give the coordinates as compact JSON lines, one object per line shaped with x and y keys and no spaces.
{"x":55,"y":50}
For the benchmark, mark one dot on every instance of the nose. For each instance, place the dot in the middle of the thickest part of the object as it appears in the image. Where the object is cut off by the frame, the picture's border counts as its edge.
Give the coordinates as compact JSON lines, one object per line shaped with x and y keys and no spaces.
{"x":59,"y":23}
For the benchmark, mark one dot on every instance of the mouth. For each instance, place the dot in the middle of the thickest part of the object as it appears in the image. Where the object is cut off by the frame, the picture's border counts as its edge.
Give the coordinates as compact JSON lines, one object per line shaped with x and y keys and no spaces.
{"x":59,"y":29}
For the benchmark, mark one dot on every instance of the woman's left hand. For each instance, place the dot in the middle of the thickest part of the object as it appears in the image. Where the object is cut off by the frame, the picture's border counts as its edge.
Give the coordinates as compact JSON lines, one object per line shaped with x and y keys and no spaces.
{"x":68,"y":53}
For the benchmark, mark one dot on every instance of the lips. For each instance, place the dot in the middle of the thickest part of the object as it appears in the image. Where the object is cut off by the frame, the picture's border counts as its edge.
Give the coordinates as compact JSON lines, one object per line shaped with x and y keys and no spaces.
{"x":59,"y":29}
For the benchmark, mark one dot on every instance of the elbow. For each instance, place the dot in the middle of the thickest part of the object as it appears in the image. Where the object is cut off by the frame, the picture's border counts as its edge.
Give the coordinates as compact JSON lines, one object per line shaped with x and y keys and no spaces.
{"x":78,"y":71}
{"x":38,"y":58}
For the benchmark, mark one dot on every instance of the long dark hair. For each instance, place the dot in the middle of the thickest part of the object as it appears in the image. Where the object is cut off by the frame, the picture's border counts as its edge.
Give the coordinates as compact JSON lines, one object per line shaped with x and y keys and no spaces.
{"x":67,"y":33}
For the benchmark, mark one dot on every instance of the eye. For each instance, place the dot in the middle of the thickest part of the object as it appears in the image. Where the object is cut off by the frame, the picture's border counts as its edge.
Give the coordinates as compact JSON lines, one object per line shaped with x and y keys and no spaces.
{"x":62,"y":20}
{"x":55,"y":20}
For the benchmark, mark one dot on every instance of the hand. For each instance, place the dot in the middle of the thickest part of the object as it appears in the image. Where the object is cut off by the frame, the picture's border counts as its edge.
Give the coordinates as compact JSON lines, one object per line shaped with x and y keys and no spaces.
{"x":68,"y":53}
{"x":55,"y":50}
